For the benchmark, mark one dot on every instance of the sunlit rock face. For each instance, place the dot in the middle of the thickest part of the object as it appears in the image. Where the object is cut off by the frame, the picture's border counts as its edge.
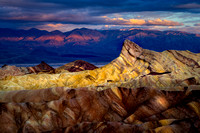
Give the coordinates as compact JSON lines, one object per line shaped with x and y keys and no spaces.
{"x":140,"y":91}
{"x":115,"y":109}
{"x":135,"y":67}
{"x":76,"y":66}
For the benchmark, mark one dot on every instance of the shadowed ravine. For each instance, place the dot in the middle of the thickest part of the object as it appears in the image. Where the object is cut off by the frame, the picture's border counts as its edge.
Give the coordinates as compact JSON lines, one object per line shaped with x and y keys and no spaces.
{"x":140,"y":91}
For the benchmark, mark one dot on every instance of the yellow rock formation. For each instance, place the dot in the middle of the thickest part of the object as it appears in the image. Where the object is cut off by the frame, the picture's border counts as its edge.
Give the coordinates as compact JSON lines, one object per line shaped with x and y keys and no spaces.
{"x":135,"y":67}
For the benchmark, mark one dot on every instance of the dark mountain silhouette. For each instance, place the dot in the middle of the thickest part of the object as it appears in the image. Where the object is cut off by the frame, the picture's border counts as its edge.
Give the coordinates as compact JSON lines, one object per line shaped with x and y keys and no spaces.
{"x":33,"y":45}
{"x":56,"y":32}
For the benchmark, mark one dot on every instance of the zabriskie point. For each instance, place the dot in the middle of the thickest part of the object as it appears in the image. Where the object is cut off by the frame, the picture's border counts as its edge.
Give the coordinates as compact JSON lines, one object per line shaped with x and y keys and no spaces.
{"x":140,"y":91}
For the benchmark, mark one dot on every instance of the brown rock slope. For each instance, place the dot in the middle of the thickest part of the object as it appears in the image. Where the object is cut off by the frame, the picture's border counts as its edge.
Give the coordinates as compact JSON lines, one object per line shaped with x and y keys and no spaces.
{"x":135,"y":67}
{"x":7,"y":70}
{"x":76,"y":66}
{"x":42,"y":67}
{"x":141,"y":91}
{"x":10,"y":71}
{"x":112,"y":110}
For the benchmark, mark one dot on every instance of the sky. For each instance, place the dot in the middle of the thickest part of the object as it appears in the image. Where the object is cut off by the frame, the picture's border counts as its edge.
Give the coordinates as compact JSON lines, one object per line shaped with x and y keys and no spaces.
{"x":66,"y":15}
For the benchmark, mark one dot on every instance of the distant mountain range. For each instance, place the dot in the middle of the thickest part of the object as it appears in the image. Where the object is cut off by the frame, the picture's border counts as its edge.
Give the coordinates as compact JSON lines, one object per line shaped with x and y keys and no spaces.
{"x":34,"y":46}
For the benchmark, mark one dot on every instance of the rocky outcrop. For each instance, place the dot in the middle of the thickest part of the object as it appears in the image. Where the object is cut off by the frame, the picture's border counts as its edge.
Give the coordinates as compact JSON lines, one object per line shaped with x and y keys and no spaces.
{"x":7,"y":70}
{"x":140,"y":91}
{"x":10,"y":71}
{"x":76,"y":66}
{"x":42,"y":67}
{"x":134,"y":68}
{"x":112,"y":110}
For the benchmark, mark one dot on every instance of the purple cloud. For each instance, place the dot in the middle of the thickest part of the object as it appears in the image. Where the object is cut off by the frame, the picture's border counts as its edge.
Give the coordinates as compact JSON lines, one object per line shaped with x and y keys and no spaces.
{"x":189,"y":6}
{"x":34,"y":13}
{"x":198,"y":24}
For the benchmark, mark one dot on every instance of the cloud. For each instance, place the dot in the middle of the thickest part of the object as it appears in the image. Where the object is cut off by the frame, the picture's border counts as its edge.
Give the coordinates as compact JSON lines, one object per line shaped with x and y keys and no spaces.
{"x":189,"y":6}
{"x":190,"y":29}
{"x":55,"y":25}
{"x":99,"y":7}
{"x":65,"y":27}
{"x":72,"y":18}
{"x":198,"y":24}
{"x":159,"y":22}
{"x":65,"y":17}
{"x":110,"y":23}
{"x":30,"y":5}
{"x":34,"y":13}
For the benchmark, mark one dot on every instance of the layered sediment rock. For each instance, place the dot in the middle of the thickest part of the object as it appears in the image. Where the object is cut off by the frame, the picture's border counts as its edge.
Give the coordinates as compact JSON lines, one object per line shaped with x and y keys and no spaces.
{"x":111,"y":110}
{"x":76,"y":66}
{"x":135,"y":67}
{"x":10,"y":71}
{"x":7,"y":70}
{"x":140,"y":91}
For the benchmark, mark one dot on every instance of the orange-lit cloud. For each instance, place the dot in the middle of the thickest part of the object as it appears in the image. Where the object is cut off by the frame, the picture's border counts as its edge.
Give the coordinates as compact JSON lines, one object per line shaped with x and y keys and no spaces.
{"x":55,"y":25}
{"x":122,"y":21}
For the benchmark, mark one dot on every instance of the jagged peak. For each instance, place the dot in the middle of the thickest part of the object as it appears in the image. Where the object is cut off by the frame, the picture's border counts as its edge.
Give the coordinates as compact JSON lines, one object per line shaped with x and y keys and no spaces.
{"x":131,"y":49}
